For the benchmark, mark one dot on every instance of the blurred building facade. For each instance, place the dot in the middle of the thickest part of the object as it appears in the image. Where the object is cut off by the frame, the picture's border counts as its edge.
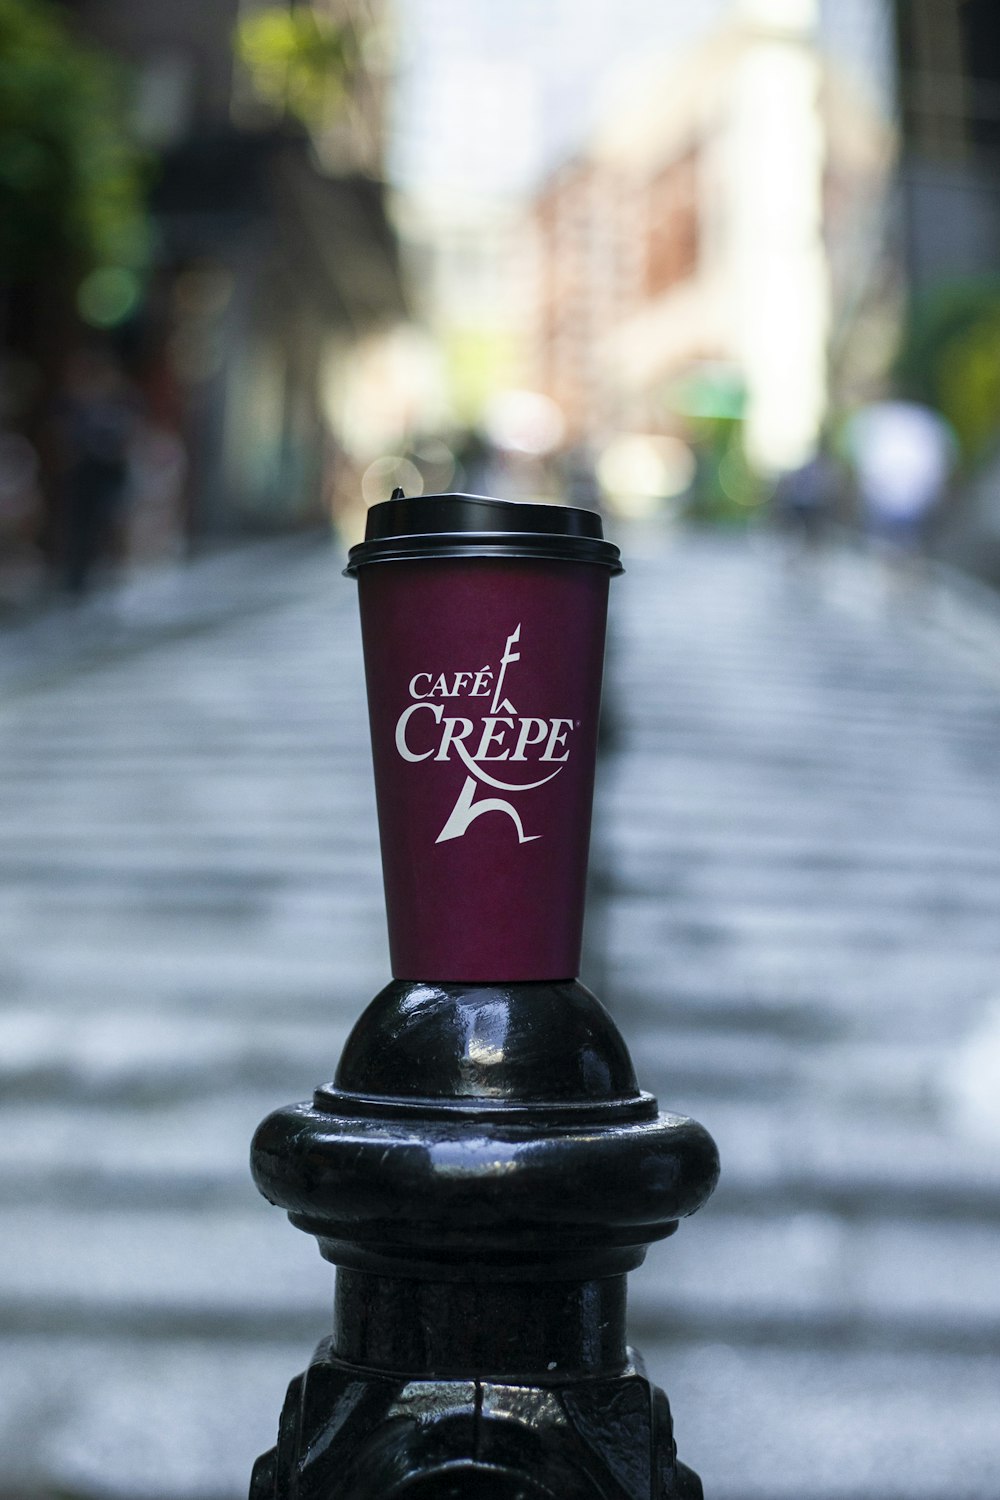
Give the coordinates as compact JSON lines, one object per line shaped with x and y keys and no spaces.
{"x":712,"y":223}
{"x":949,"y":189}
{"x":949,"y":85}
{"x":276,"y":254}
{"x":272,"y":259}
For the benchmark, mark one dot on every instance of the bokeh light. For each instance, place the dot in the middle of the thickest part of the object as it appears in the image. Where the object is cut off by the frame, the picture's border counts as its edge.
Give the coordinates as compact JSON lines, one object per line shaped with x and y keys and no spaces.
{"x":108,"y":296}
{"x":389,"y":473}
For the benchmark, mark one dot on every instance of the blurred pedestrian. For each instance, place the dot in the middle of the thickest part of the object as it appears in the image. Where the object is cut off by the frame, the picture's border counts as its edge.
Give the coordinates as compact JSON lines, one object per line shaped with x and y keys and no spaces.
{"x":903,"y":455}
{"x":577,"y":475}
{"x":21,"y":563}
{"x":157,"y":471}
{"x":804,"y":498}
{"x":480,"y":467}
{"x":96,"y":419}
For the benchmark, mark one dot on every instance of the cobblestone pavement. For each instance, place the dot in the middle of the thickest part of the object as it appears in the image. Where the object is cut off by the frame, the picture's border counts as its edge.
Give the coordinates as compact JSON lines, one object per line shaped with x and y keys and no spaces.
{"x":795,"y":919}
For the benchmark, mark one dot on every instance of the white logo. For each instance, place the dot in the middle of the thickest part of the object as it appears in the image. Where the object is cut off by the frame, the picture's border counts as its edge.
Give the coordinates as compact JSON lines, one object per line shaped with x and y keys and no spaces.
{"x":424,"y":730}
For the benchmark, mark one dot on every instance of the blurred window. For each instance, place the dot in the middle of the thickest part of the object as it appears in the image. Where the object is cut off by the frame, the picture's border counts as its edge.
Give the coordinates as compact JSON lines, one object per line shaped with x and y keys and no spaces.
{"x":674,"y":230}
{"x":980,"y":21}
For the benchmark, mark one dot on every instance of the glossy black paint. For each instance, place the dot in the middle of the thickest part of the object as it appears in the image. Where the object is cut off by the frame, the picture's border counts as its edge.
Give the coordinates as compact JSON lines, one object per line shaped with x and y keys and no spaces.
{"x":536,"y":1331}
{"x":392,"y":1438}
{"x":515,"y":1044}
{"x":483,"y":1171}
{"x":424,"y":526}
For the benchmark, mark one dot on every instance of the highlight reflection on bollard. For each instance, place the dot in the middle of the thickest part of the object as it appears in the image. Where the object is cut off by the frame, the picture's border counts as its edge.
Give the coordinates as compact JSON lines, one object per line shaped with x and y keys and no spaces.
{"x":484,"y":1169}
{"x":484,"y":624}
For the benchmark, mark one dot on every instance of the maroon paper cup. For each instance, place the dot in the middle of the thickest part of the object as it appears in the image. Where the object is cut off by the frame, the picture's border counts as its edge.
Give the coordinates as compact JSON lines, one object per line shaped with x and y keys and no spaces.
{"x":483,"y":624}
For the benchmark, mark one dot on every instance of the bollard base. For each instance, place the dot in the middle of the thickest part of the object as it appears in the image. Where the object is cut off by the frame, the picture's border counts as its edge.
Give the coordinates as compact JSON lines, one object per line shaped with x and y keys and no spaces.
{"x":483,"y":1171}
{"x":354,"y":1434}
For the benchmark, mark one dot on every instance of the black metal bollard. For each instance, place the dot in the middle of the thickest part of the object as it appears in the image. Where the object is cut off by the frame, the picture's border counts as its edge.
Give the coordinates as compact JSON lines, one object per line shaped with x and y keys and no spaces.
{"x":484,"y":1172}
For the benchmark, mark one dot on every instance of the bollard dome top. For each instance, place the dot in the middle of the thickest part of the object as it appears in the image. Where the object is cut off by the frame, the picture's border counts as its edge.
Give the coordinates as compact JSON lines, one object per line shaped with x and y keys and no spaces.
{"x":439,"y":526}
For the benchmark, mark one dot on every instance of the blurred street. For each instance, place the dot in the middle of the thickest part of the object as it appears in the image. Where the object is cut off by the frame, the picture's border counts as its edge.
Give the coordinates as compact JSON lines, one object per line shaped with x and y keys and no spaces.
{"x":796,"y":878}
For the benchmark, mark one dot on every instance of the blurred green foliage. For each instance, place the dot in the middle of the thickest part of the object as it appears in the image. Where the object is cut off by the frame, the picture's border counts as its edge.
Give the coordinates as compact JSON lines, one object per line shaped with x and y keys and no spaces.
{"x":711,"y":399}
{"x":71,"y":182}
{"x":300,"y":61}
{"x":950,"y":358}
{"x":726,"y":489}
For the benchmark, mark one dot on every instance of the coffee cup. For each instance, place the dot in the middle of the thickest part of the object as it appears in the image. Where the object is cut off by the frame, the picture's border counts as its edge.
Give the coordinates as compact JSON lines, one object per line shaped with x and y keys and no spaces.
{"x":483,"y":624}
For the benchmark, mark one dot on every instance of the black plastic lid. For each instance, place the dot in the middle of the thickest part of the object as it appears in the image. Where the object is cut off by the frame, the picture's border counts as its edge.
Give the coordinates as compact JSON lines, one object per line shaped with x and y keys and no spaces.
{"x":401,"y":530}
